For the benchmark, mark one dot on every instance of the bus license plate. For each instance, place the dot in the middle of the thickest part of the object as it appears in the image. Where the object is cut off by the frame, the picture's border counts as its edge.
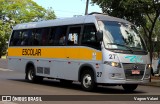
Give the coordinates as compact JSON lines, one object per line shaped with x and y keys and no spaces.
{"x":135,"y":71}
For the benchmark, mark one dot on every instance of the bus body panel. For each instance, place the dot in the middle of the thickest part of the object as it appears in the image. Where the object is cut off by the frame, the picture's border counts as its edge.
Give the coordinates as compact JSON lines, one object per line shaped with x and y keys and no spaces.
{"x":124,"y":74}
{"x":61,"y":64}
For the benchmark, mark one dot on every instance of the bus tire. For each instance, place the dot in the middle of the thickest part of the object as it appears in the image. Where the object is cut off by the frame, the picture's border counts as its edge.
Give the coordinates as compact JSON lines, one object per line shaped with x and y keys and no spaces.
{"x":87,"y":80}
{"x":31,"y":75}
{"x":129,"y":87}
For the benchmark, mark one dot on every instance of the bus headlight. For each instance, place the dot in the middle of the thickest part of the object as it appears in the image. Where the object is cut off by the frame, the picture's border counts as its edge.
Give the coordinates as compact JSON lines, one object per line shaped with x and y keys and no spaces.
{"x":148,"y":66}
{"x":114,"y":64}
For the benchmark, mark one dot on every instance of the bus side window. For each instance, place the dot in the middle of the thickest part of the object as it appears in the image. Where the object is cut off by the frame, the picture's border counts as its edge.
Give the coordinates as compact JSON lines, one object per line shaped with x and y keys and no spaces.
{"x":51,"y":36}
{"x":89,"y":37}
{"x":16,"y":38}
{"x":73,"y":35}
{"x":60,"y":34}
{"x":26,"y":38}
{"x":36,"y":37}
{"x":39,"y":37}
{"x":45,"y":33}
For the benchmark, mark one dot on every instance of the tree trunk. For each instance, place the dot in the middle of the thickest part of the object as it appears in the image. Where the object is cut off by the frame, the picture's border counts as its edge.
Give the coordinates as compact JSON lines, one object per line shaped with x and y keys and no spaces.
{"x":150,"y":47}
{"x":86,"y":10}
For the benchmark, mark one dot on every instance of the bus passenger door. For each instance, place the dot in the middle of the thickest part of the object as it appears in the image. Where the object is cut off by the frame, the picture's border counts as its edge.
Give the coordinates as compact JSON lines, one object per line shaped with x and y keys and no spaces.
{"x":72,"y":55}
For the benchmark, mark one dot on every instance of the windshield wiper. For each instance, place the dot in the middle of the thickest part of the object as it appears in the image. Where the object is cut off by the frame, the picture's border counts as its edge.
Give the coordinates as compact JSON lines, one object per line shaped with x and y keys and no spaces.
{"x":122,"y":46}
{"x":139,"y":49}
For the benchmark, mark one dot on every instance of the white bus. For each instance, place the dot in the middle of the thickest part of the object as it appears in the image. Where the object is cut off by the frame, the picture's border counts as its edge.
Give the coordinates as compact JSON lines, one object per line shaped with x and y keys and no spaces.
{"x":95,"y":49}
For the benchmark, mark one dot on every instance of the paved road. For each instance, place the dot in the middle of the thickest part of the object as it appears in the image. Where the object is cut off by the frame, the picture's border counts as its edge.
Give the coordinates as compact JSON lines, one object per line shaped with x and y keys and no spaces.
{"x":13,"y":83}
{"x":3,"y":63}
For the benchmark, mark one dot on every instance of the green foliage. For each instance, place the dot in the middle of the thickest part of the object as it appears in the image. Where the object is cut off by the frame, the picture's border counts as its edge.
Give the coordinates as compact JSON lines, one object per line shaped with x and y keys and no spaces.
{"x":24,"y":11}
{"x":132,"y":10}
{"x":49,"y":14}
{"x":5,"y":30}
{"x":19,"y":11}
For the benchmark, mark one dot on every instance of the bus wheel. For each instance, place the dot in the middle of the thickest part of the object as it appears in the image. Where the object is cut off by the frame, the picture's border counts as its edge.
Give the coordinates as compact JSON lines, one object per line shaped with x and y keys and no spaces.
{"x":31,"y":76}
{"x":87,"y":80}
{"x":129,"y":87}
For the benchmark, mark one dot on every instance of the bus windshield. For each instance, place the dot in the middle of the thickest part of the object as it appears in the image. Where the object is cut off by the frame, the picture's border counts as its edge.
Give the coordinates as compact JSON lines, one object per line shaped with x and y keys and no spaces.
{"x":122,"y":36}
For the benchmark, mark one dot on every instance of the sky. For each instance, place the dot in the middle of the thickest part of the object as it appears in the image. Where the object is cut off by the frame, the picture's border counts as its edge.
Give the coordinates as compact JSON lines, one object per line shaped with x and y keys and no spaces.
{"x":68,"y":8}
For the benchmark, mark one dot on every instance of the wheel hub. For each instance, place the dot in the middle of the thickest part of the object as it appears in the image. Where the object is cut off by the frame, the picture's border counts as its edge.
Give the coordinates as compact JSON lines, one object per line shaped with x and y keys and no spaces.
{"x":30,"y":75}
{"x":87,"y":81}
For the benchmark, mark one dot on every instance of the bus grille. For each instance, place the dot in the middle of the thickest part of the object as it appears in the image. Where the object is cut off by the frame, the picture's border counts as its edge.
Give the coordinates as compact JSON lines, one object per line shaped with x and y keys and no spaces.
{"x":128,"y":67}
{"x":43,"y":70}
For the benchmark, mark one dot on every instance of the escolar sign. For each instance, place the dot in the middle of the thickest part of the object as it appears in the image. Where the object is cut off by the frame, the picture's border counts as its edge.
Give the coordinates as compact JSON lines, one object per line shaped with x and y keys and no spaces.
{"x":31,"y":52}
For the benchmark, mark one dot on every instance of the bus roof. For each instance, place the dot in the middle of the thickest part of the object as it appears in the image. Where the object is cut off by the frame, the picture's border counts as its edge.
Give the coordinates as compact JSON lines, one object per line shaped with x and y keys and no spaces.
{"x":69,"y":21}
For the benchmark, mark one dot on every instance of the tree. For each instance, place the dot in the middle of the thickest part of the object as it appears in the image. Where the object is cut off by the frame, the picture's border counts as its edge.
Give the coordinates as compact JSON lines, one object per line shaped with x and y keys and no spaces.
{"x":13,"y":12}
{"x":157,"y":37}
{"x":3,"y":37}
{"x":139,"y":12}
{"x":49,"y":14}
{"x":86,"y":10}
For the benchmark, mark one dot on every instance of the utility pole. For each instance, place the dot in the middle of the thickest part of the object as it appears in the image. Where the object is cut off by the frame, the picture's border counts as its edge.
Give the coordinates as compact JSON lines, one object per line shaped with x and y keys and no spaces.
{"x":87,"y":3}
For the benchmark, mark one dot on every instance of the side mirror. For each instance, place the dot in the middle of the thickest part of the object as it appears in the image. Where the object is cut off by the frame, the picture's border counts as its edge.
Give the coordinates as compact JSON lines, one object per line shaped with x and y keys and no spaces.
{"x":99,"y":35}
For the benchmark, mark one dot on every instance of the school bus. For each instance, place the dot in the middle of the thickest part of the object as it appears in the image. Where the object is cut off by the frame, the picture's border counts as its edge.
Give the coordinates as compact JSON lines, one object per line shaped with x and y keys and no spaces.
{"x":95,"y":49}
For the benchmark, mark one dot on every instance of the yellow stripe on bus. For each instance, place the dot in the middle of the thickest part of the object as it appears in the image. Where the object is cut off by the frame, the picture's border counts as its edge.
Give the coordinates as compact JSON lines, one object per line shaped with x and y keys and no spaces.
{"x":79,"y":53}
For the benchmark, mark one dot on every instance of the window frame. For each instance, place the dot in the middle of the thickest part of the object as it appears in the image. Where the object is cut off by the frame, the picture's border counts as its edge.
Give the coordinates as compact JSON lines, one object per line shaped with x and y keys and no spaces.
{"x":79,"y":36}
{"x":52,"y":33}
{"x":90,"y":24}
